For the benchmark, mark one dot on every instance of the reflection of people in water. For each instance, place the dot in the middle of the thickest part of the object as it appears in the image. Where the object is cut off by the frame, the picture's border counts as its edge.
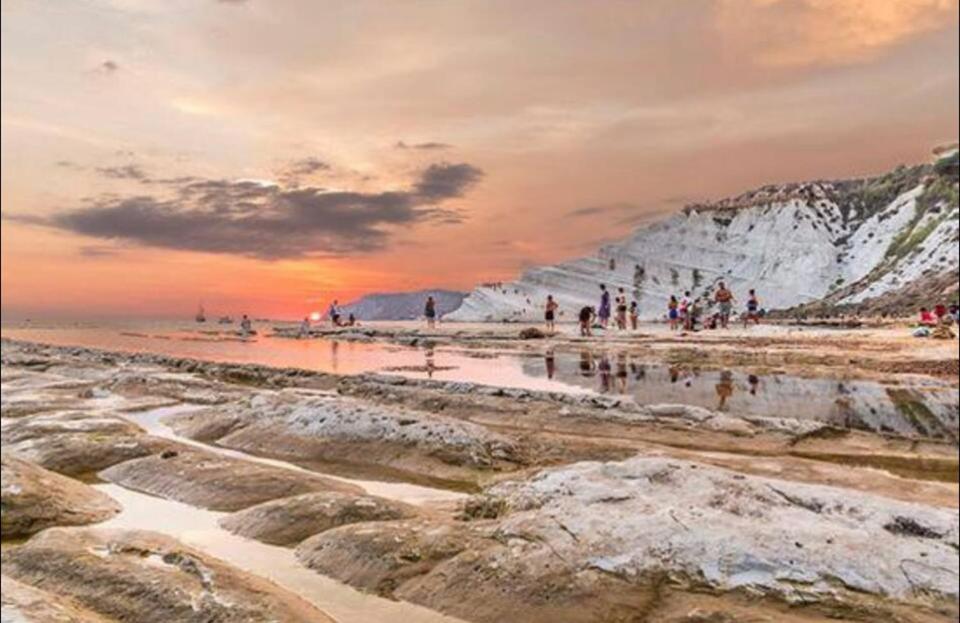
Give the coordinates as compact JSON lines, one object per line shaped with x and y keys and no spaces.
{"x":551,"y":363}
{"x":724,"y":389}
{"x":430,"y":366}
{"x":586,"y":363}
{"x":604,"y":368}
{"x":334,"y":347}
{"x":754,"y":382}
{"x":622,"y":372}
{"x":639,"y":371}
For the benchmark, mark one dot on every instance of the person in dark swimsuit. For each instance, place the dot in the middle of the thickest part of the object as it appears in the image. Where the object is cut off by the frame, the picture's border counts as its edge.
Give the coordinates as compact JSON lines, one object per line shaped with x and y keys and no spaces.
{"x":604,"y":312}
{"x":430,"y":312}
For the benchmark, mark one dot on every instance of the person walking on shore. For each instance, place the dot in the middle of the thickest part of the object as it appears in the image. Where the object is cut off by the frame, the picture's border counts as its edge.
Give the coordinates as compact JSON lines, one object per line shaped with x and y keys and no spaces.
{"x":246,"y":327}
{"x":724,"y":299}
{"x":550,"y":313}
{"x":430,"y":312}
{"x":685,"y":310}
{"x":334,"y":313}
{"x":634,"y":315}
{"x":604,"y":312}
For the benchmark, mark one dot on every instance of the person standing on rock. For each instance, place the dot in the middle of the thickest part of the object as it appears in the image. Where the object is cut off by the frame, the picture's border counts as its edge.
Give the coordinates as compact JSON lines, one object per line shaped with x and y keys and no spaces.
{"x":603,"y":313}
{"x":246,"y":328}
{"x":304,"y":330}
{"x":753,"y":309}
{"x":550,"y":313}
{"x":430,"y":312}
{"x":724,"y":299}
{"x":673,"y":312}
{"x":621,"y":309}
{"x":586,"y":319}
{"x":334,"y":313}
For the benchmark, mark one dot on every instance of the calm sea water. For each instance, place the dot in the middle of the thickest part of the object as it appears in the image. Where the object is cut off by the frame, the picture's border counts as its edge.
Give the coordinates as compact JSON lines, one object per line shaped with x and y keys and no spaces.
{"x":926,"y":408}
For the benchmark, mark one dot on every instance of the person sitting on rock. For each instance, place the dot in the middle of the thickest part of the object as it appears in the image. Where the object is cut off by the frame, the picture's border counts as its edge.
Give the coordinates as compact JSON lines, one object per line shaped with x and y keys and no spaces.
{"x":926,"y":318}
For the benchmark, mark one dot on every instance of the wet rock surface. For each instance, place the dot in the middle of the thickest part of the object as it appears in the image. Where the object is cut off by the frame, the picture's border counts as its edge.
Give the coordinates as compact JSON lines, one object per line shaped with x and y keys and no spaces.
{"x":214,"y":481}
{"x":287,"y":521}
{"x":35,"y":498}
{"x":149,"y":578}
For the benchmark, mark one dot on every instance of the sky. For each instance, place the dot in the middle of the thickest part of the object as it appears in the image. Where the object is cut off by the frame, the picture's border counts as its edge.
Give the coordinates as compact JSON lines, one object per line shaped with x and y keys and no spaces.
{"x":265,"y":157}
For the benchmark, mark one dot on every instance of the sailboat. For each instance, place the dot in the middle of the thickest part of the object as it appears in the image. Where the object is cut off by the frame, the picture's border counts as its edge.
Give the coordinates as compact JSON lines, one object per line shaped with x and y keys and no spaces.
{"x":201,"y":316}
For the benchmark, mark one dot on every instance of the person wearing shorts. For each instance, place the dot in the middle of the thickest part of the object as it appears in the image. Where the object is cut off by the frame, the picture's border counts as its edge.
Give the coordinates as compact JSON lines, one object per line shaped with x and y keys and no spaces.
{"x":724,"y":299}
{"x":550,"y":313}
{"x":673,"y":312}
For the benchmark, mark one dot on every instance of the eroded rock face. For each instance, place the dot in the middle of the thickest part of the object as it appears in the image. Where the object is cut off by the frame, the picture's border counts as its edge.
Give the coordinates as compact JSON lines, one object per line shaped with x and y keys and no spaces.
{"x":149,"y":578}
{"x":77,"y":443}
{"x":35,"y":498}
{"x":22,"y":603}
{"x":311,"y":428}
{"x":574,"y":537}
{"x":382,"y":557}
{"x":287,"y":521}
{"x":214,"y":481}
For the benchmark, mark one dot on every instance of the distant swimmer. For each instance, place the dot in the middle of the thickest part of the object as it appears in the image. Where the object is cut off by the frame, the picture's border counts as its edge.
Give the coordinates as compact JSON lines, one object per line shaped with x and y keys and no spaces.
{"x":724,"y":299}
{"x":550,"y":313}
{"x":430,"y":312}
{"x":603,"y":313}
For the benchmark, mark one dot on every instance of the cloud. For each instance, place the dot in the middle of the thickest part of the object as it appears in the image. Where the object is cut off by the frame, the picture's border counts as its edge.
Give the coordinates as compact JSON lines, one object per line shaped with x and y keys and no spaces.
{"x":265,"y":220}
{"x":304,"y":167}
{"x":109,"y":67}
{"x":125,"y":172}
{"x":428,"y":146}
{"x":604,"y":209}
{"x":97,"y":251}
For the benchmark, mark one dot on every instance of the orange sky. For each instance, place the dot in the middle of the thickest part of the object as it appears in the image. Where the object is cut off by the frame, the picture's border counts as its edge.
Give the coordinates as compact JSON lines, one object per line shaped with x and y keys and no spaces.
{"x":265,"y":157}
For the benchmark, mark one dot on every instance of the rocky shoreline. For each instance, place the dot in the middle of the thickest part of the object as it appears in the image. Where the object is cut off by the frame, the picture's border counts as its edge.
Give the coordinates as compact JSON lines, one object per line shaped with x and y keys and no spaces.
{"x":579,"y":507}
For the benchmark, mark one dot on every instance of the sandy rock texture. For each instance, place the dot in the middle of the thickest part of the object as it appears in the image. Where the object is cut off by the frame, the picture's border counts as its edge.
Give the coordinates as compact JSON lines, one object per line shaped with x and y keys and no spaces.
{"x":215,"y":482}
{"x":149,"y":578}
{"x":287,"y":521}
{"x":35,"y":498}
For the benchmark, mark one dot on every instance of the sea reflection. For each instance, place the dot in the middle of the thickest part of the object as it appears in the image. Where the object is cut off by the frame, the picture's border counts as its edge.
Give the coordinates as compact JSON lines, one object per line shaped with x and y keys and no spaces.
{"x":926,"y":408}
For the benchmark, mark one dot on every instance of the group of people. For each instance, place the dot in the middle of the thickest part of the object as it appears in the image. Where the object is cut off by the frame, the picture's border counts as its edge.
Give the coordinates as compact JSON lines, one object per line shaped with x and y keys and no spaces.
{"x":940,"y":314}
{"x":685,"y":312}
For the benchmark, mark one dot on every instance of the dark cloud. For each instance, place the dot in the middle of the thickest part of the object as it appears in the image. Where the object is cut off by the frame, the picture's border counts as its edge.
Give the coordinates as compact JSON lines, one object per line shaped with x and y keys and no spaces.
{"x":266,"y":221}
{"x":109,"y":67}
{"x":444,"y":181}
{"x":95,"y":251}
{"x":304,"y":167}
{"x":615,"y":209}
{"x":125,"y":172}
{"x":428,"y":146}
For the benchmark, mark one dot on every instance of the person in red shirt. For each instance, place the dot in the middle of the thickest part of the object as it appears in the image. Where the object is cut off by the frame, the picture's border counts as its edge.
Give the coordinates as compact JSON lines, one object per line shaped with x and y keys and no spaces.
{"x":926,"y":318}
{"x":940,"y":310}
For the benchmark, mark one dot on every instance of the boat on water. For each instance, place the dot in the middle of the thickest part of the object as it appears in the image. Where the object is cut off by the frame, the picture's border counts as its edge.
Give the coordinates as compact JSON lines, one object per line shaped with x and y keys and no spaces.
{"x":201,"y":316}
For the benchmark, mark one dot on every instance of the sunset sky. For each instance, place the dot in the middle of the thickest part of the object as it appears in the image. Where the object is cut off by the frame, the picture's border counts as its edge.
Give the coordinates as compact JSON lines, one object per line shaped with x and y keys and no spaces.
{"x":265,"y":156}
